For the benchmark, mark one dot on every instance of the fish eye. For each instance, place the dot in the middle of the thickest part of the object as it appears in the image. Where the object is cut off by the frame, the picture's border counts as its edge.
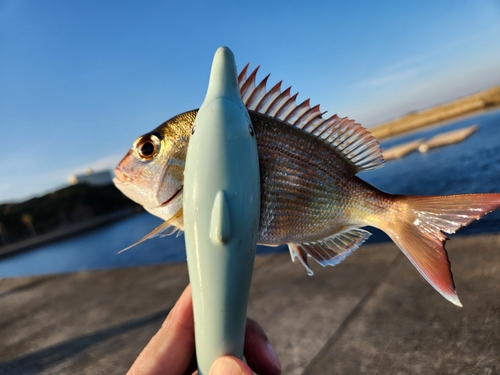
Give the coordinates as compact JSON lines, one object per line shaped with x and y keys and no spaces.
{"x":147,"y":146}
{"x":250,"y":129}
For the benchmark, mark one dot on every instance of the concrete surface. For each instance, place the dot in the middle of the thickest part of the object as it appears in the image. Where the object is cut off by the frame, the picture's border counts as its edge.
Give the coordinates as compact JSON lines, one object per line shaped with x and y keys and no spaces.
{"x":371,"y":314}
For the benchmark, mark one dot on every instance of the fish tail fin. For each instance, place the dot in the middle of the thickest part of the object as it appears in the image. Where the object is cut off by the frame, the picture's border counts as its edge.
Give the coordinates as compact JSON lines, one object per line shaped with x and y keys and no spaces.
{"x":417,"y":227}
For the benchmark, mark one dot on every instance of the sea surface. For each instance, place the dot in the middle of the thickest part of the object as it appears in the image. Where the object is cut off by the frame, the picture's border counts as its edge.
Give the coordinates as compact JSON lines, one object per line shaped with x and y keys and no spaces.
{"x":472,"y":166}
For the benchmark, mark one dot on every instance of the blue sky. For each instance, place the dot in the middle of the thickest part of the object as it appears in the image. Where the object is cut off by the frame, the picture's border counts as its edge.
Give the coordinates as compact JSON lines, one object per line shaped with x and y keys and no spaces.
{"x":79,"y":81}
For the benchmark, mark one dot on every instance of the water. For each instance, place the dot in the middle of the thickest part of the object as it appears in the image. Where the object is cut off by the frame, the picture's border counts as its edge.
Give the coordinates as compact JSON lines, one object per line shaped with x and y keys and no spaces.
{"x":99,"y":249}
{"x":472,"y":166}
{"x":469,"y":167}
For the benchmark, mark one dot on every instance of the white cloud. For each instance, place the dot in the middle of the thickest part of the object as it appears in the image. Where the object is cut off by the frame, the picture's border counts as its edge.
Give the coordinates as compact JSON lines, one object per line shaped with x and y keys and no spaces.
{"x":399,"y":92}
{"x":390,"y":78}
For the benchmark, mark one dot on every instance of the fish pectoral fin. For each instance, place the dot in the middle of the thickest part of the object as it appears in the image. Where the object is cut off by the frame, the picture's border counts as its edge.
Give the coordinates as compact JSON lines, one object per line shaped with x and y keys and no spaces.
{"x":165,"y":229}
{"x":332,"y":250}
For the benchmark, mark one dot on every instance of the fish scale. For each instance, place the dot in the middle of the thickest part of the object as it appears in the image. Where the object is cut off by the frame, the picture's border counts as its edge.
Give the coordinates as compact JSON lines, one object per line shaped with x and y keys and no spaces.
{"x":311,"y":198}
{"x":295,"y":189}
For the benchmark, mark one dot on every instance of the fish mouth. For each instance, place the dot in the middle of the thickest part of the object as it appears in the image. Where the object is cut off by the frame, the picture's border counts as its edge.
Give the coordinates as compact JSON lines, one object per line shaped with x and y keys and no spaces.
{"x":120,"y":176}
{"x":166,"y":203}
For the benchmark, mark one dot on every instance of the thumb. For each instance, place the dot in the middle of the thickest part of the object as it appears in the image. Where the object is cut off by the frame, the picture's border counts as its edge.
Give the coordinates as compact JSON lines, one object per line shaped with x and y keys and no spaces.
{"x":229,"y":366}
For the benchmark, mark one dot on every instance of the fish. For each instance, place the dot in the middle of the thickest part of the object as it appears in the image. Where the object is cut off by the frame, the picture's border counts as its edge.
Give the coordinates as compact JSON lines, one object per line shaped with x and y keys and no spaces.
{"x":311,"y":197}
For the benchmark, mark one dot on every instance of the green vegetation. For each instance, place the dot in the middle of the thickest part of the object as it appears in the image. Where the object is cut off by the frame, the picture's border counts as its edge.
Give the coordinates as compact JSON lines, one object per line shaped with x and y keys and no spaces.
{"x":415,"y":120}
{"x":71,"y":205}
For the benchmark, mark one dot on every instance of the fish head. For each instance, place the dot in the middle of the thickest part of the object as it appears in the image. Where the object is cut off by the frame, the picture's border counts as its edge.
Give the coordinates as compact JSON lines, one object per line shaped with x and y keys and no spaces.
{"x":152,"y":172}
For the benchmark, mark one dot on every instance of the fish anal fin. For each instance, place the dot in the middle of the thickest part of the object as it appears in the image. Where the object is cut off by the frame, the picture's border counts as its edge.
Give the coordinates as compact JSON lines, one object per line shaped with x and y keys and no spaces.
{"x":352,"y":142}
{"x":334,"y":249}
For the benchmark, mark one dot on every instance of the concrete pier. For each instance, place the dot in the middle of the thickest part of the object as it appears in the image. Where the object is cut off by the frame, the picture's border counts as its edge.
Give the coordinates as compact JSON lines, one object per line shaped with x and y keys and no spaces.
{"x":439,"y":140}
{"x":372,"y":314}
{"x":448,"y":138}
{"x":400,"y":151}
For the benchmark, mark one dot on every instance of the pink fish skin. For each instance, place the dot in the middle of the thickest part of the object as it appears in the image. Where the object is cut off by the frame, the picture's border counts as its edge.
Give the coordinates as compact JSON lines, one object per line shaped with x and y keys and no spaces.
{"x":311,"y":198}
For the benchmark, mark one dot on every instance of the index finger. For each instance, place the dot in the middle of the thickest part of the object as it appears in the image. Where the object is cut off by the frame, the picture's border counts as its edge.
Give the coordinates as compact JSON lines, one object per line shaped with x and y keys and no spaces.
{"x":172,"y":347}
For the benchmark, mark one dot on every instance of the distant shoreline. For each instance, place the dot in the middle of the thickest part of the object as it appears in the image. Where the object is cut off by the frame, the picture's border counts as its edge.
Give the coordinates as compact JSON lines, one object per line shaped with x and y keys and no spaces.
{"x":63,"y":232}
{"x":483,"y":100}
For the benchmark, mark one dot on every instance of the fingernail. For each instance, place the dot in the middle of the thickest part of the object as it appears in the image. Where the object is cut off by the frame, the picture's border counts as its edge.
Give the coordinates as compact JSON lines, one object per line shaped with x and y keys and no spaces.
{"x":224,"y":366}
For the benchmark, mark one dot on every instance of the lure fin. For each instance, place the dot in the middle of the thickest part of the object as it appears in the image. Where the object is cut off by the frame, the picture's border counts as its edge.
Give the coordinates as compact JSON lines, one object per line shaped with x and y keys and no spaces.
{"x":220,"y":221}
{"x":418,"y":232}
{"x":331,"y":250}
{"x":353,"y":143}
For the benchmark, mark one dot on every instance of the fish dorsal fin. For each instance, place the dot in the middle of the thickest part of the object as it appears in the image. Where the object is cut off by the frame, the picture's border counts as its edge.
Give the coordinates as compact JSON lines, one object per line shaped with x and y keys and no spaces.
{"x":331,"y":250}
{"x":353,"y":142}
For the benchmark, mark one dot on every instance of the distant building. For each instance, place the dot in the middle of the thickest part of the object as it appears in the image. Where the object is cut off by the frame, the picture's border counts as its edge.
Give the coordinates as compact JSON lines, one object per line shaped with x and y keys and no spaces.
{"x":92,"y":178}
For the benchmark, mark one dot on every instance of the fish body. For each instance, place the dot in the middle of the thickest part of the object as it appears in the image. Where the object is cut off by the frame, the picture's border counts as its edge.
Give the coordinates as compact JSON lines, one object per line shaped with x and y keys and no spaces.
{"x":311,"y":198}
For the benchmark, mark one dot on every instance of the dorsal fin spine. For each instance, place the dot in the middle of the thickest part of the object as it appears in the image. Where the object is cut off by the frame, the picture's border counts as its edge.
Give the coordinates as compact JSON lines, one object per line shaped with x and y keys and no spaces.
{"x":314,"y":124}
{"x":322,"y":128}
{"x":253,"y":100}
{"x":247,"y":88}
{"x":243,"y":74}
{"x":354,"y":146}
{"x":268,"y":98}
{"x":287,"y":108}
{"x":276,"y":104}
{"x":353,"y":143}
{"x":309,"y":115}
{"x":297,"y":112}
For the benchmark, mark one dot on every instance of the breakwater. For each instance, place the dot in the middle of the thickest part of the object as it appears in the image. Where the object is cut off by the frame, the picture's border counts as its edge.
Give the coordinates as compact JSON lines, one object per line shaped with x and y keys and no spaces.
{"x":483,"y":100}
{"x":64,"y":232}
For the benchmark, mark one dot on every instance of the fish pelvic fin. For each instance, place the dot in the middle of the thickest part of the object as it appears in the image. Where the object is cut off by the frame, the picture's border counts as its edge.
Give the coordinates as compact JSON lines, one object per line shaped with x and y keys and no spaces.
{"x":331,"y":250}
{"x":167,"y":228}
{"x":301,"y":255}
{"x":418,"y":232}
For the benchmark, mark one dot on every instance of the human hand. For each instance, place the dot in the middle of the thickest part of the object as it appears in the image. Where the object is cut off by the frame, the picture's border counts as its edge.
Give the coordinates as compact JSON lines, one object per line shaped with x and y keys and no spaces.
{"x":171,"y":350}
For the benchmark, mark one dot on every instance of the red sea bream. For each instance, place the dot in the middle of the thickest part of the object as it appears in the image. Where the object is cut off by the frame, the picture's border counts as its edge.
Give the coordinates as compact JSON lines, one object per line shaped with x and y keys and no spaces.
{"x":311,"y":198}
